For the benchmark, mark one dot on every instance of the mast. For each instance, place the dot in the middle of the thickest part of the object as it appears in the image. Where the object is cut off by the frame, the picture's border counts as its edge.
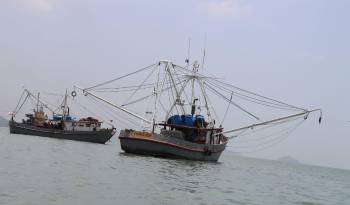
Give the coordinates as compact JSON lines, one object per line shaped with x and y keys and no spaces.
{"x":156,"y":92}
{"x":65,"y":106}
{"x":205,"y":98}
{"x":174,"y":103}
{"x":38,"y":101}
{"x":178,"y":95}
{"x":194,"y":76}
{"x":201,"y":86}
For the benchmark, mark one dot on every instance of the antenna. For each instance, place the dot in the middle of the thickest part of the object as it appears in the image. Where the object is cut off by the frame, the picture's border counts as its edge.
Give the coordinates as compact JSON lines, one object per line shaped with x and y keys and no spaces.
{"x":65,"y":106}
{"x":188,"y":52}
{"x":205,"y":42}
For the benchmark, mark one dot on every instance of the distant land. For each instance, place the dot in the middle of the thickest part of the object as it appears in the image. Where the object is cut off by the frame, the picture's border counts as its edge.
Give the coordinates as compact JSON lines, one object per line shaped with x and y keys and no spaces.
{"x":3,"y":122}
{"x":289,"y":160}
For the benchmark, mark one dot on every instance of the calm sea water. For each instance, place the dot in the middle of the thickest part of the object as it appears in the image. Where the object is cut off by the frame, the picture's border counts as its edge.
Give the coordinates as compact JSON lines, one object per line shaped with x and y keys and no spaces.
{"x":37,"y":170}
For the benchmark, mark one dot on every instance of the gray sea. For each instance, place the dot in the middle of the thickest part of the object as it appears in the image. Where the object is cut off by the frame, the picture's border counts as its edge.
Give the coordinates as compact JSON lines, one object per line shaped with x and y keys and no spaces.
{"x":37,"y":170}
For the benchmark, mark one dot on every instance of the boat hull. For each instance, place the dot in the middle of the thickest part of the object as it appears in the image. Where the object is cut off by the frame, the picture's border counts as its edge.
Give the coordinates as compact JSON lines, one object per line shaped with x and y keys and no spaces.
{"x":165,"y":146}
{"x":101,"y":136}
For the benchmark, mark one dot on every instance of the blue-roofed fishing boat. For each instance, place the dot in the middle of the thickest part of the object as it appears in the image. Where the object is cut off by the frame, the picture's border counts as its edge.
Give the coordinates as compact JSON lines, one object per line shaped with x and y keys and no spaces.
{"x":179,"y":119}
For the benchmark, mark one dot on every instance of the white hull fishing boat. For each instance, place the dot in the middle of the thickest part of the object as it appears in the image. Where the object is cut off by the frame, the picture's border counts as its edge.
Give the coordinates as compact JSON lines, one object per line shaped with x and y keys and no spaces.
{"x":180,"y":120}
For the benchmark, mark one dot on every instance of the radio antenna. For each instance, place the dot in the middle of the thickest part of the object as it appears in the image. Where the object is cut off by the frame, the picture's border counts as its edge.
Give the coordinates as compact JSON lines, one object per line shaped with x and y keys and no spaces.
{"x":188,"y":52}
{"x":205,"y":42}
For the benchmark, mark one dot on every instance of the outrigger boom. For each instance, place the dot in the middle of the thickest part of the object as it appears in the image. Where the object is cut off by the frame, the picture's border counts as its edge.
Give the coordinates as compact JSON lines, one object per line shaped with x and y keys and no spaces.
{"x":307,"y":112}
{"x":114,"y":105}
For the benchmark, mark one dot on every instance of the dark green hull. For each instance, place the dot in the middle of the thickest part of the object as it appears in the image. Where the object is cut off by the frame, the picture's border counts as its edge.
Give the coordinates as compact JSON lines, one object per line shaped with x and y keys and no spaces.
{"x":101,"y":136}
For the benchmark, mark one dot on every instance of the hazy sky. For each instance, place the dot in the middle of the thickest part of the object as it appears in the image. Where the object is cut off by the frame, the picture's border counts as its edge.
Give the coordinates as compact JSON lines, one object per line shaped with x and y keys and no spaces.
{"x":297,"y":51}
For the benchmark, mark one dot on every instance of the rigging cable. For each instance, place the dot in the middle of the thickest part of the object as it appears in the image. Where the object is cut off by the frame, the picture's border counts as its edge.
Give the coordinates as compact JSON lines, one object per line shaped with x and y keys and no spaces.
{"x":254,"y":100}
{"x":207,"y":101}
{"x":25,"y":99}
{"x":251,"y":139}
{"x":159,"y":86}
{"x":115,"y":79}
{"x":125,"y":88}
{"x":172,"y":95}
{"x":147,"y":96}
{"x":258,"y":94}
{"x":228,"y":106}
{"x":184,"y":91}
{"x":111,"y":113}
{"x":19,"y":101}
{"x":288,"y":133}
{"x":228,"y":100}
{"x":148,"y":76}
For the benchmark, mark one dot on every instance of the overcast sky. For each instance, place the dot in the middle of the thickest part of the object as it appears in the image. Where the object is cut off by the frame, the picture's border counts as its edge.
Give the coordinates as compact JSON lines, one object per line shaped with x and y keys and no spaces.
{"x":297,"y":51}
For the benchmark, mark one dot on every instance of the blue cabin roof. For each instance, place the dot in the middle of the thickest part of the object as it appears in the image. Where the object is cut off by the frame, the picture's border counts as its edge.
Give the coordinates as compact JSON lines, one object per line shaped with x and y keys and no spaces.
{"x":59,"y":117}
{"x":187,"y":120}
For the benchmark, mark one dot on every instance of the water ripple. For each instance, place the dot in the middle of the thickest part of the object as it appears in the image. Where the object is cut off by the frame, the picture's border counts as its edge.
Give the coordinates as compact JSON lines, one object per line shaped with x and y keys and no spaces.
{"x":36,"y":170}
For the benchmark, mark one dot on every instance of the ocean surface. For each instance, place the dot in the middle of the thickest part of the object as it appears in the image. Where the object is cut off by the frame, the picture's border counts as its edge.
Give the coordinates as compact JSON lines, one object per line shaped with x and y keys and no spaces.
{"x":37,"y":170}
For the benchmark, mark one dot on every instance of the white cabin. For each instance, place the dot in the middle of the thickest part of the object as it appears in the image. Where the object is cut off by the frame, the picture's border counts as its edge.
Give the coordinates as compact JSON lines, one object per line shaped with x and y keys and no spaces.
{"x":82,"y":126}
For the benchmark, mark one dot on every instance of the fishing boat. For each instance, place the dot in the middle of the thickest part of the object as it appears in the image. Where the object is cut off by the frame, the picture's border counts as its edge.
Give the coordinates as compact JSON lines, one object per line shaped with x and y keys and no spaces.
{"x":180,"y":120}
{"x":60,"y":126}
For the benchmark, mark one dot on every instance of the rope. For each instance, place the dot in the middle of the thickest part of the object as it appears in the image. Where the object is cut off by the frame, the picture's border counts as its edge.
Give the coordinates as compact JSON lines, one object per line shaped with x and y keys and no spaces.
{"x":115,"y":79}
{"x":178,"y":79}
{"x":20,"y":99}
{"x":254,"y":100}
{"x":50,"y":93}
{"x":228,"y":106}
{"x":173,"y":96}
{"x":122,"y":90}
{"x":264,"y":137}
{"x":206,"y":97}
{"x":149,"y":75}
{"x":25,"y":99}
{"x":107,"y":111}
{"x":288,"y":133}
{"x":46,"y":103}
{"x":125,"y":88}
{"x":238,"y":106}
{"x":252,"y":93}
{"x":147,"y":96}
{"x":184,"y":70}
{"x":161,"y":92}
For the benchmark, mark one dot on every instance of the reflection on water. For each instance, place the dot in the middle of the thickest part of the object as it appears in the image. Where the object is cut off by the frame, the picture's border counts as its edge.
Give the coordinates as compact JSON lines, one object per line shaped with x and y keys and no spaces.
{"x":37,"y":170}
